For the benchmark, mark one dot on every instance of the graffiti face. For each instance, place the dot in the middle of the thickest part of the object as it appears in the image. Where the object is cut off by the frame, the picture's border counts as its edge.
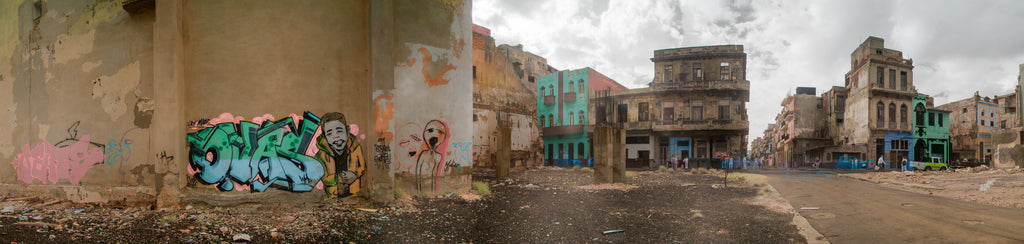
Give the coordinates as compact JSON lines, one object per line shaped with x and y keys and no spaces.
{"x":409,"y":145}
{"x":337,"y":135}
{"x":434,"y":133}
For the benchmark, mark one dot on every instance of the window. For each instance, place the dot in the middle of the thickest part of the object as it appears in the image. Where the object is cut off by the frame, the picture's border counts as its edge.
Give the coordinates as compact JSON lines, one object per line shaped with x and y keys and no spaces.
{"x":638,"y":140}
{"x":581,"y":87}
{"x":878,"y":51}
{"x":642,"y":111}
{"x":542,"y":90}
{"x":723,"y":109}
{"x":724,"y":68}
{"x":542,"y":121}
{"x":530,"y":78}
{"x":1002,"y":124}
{"x":941,"y":118}
{"x":903,"y":82}
{"x":474,"y":71}
{"x":623,"y":112}
{"x":697,"y":74}
{"x":892,"y":79}
{"x":580,"y":149}
{"x":881,"y":77}
{"x":900,"y":145}
{"x":571,"y":116}
{"x":880,"y":114}
{"x":992,"y":123}
{"x":697,"y":110}
{"x":903,"y":115}
{"x":551,"y":90}
{"x":919,"y":115}
{"x":581,"y":117}
{"x":571,"y":86}
{"x":668,"y":111}
{"x":892,"y":115}
{"x":682,"y":143}
{"x":668,"y":74}
{"x":931,"y":119}
{"x":965,"y":110}
{"x":551,"y":120}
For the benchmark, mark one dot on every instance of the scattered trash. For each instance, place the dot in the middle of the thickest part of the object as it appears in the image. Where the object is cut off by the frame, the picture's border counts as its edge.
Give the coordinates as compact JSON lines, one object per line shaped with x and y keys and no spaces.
{"x":241,"y":238}
{"x":8,"y":209}
{"x":367,"y":210}
{"x":612,"y":231}
{"x":48,"y":203}
{"x":80,"y":210}
{"x":810,"y":208}
{"x":377,"y":228}
{"x":987,"y":185}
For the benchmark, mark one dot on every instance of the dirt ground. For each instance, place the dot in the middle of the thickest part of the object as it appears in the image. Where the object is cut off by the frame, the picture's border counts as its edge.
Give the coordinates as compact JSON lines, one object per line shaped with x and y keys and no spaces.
{"x":999,"y":187}
{"x":548,"y":205}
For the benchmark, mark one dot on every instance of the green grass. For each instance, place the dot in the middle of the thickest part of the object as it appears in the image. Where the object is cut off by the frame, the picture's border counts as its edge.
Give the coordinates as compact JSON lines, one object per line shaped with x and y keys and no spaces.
{"x":586,"y":169}
{"x":630,"y":174}
{"x":481,"y":188}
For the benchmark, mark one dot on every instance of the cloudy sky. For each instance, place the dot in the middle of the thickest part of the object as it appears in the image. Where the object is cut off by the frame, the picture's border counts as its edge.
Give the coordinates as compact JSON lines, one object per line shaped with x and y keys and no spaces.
{"x":958,"y":47}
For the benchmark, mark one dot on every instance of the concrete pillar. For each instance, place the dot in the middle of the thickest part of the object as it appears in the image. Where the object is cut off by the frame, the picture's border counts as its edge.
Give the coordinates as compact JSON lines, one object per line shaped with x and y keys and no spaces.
{"x":603,"y":154}
{"x":380,"y":182}
{"x":168,"y":127}
{"x":504,"y":162}
{"x":618,"y":161}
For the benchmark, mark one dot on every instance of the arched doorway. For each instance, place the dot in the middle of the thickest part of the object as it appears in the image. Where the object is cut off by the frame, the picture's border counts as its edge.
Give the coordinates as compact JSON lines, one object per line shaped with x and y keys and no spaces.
{"x":921,"y":151}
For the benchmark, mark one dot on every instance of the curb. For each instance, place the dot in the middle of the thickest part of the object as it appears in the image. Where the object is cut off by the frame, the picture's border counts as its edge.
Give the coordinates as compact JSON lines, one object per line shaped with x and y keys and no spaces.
{"x":810,"y":234}
{"x":894,"y":183}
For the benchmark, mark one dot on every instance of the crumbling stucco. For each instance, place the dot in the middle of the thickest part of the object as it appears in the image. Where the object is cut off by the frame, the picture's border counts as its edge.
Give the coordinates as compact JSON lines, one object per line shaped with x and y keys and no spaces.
{"x":112,"y":91}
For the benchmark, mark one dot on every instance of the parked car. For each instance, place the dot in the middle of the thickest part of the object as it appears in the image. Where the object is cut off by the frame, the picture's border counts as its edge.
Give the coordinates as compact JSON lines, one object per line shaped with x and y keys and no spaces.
{"x":936,"y":163}
{"x":850,"y":162}
{"x":563,"y":160}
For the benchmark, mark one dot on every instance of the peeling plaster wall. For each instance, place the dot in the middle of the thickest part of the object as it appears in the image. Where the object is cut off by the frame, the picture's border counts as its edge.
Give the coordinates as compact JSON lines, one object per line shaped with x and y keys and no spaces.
{"x":433,"y":95}
{"x":79,"y":75}
{"x":497,"y":89}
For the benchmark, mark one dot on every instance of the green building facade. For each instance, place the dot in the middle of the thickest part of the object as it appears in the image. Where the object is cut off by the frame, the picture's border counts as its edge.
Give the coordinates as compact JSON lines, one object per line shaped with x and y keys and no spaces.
{"x":930,"y":131}
{"x":562,"y":100}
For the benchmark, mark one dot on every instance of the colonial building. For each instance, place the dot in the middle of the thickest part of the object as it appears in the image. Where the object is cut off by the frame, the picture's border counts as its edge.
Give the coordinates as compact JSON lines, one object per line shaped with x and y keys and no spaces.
{"x":695,"y":107}
{"x":931,"y":133}
{"x":803,"y":128}
{"x":502,"y":96}
{"x":973,"y":121}
{"x":880,"y":85}
{"x":562,"y":102}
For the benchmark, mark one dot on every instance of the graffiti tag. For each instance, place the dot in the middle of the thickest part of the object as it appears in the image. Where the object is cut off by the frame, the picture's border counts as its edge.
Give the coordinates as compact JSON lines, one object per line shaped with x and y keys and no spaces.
{"x":50,"y":163}
{"x":382,"y":158}
{"x":256,"y":155}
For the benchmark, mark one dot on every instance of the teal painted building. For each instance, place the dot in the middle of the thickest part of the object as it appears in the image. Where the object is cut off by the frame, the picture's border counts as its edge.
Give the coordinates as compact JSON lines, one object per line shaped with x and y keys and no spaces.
{"x":930,"y":132}
{"x":562,"y":100}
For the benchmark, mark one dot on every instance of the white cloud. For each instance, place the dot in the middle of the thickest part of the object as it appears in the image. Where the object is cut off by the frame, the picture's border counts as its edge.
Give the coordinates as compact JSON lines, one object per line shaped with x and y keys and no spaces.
{"x":958,"y":47}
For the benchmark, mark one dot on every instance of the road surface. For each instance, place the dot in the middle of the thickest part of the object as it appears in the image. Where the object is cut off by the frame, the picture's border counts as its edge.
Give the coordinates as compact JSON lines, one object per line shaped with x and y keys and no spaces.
{"x":851,"y":211}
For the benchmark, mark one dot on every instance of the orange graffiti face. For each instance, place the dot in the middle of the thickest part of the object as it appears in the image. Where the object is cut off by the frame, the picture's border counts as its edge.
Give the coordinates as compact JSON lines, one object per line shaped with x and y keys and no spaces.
{"x":434,"y":133}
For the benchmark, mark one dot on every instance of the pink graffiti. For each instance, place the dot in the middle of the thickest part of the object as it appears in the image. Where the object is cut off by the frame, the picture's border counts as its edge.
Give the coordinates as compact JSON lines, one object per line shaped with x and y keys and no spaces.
{"x":49,"y":163}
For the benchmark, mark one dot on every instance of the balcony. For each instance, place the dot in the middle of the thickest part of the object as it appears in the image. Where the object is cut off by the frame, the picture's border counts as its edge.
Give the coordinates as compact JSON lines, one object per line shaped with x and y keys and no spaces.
{"x":705,"y":124}
{"x":563,"y":130}
{"x":639,"y":125}
{"x":568,"y":96}
{"x":549,"y":100}
{"x":702,"y":85}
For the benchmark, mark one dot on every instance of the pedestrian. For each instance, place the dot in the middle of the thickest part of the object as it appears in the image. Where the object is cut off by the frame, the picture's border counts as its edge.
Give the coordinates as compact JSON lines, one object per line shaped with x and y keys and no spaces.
{"x":686,"y":162}
{"x":675,"y":162}
{"x":880,"y":165}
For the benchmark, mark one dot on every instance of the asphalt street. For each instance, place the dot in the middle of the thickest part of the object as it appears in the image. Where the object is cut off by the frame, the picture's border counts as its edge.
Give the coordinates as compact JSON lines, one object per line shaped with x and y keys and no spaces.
{"x":852,"y":211}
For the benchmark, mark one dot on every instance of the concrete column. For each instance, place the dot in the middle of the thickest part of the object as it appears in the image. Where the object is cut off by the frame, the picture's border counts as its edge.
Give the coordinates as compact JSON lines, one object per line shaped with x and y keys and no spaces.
{"x":168,"y":127}
{"x":380,"y":184}
{"x":603,"y":154}
{"x":504,"y":162}
{"x":618,"y":161}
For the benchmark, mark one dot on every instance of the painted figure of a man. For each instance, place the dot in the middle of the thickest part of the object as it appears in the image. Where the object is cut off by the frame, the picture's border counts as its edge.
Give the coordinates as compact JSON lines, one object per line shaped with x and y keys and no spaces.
{"x":341,"y":156}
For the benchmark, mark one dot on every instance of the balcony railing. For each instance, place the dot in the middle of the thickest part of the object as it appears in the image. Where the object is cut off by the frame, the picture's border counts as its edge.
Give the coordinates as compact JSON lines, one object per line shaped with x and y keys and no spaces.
{"x":704,"y":124}
{"x":569,"y":96}
{"x":638,"y":125}
{"x":562,"y":130}
{"x":703,"y":85}
{"x":548,"y":100}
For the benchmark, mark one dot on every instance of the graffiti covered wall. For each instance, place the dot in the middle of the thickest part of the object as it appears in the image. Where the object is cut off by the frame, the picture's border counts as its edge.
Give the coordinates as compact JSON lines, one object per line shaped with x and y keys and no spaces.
{"x":432,"y":134}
